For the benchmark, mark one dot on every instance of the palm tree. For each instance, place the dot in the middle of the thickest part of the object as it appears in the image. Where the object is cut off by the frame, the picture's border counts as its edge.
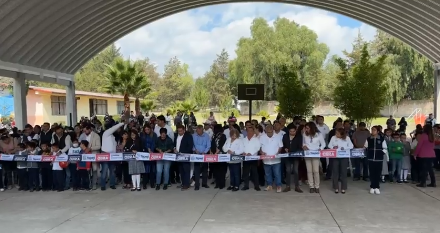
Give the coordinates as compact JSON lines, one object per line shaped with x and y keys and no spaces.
{"x":188,"y":106}
{"x":147,"y":106}
{"x":126,"y":78}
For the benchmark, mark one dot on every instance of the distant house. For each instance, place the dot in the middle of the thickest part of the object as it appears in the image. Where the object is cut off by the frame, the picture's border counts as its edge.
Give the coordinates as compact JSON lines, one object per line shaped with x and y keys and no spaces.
{"x":49,"y":104}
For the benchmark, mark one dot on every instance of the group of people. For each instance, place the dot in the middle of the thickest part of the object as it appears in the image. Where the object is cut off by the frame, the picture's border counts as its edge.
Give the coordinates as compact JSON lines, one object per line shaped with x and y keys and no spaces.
{"x":389,"y":155}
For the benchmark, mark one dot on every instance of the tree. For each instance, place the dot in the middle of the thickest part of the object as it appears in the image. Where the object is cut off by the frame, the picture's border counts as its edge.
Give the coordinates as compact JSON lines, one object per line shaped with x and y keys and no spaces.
{"x":294,"y":97}
{"x":176,"y":83}
{"x":188,"y":106}
{"x":355,"y":55}
{"x":95,"y":70}
{"x":361,"y":90}
{"x":126,"y":78}
{"x":147,"y":106}
{"x":216,"y":79}
{"x":200,"y":94}
{"x":286,"y":43}
{"x":410,"y":73}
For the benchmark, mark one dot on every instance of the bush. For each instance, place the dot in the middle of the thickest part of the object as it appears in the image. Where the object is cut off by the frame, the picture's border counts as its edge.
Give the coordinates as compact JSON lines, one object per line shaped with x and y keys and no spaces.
{"x":263,"y":113}
{"x":227,"y":113}
{"x":115,"y":117}
{"x":205,"y":115}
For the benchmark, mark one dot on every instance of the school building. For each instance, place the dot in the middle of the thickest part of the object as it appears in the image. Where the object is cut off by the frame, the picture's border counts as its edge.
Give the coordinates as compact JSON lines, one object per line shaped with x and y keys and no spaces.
{"x":49,"y":105}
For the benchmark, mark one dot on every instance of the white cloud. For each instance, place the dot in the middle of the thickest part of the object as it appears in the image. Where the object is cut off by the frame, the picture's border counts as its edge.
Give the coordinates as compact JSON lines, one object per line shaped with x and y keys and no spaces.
{"x":197,"y":36}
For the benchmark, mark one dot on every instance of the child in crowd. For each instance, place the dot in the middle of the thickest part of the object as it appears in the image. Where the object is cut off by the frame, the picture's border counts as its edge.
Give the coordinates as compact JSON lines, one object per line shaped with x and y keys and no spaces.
{"x":395,"y":151}
{"x":388,"y":138}
{"x":46,"y":169}
{"x":83,"y":179}
{"x":406,"y":161}
{"x":22,"y":169}
{"x":73,"y":169}
{"x":57,"y":171}
{"x":33,"y":168}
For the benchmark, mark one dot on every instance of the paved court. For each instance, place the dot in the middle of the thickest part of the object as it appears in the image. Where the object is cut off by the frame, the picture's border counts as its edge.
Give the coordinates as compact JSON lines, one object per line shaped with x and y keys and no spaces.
{"x":400,"y":209}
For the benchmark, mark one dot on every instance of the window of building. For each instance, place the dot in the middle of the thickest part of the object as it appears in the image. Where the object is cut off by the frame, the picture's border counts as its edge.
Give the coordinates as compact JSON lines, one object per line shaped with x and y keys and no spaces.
{"x":120,"y":106}
{"x":58,"y":105}
{"x":99,"y":106}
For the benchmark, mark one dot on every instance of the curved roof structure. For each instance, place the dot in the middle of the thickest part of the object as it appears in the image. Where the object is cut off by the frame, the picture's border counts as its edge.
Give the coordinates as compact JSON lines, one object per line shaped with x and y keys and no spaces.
{"x":62,"y":36}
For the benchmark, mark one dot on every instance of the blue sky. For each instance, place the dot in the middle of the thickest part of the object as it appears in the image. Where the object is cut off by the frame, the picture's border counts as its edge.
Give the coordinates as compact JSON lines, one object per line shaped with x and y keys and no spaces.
{"x":197,"y":35}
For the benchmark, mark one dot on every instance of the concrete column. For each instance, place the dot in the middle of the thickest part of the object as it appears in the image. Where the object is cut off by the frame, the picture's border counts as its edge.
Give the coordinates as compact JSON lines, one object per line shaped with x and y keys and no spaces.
{"x":71,"y":112}
{"x":20,"y":106}
{"x":437,"y":91}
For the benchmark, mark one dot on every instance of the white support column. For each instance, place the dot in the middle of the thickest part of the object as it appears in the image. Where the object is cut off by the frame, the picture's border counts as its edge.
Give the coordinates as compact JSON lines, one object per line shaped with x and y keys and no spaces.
{"x":20,"y":106}
{"x":437,"y":90}
{"x":71,"y":111}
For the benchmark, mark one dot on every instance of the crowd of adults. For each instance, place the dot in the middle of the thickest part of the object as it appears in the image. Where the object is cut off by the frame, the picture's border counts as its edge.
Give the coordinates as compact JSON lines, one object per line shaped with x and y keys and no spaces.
{"x":389,"y":154}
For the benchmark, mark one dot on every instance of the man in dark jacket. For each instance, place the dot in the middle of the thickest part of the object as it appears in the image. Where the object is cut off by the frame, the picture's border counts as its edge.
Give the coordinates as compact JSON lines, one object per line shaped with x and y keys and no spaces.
{"x":46,"y":134}
{"x":292,"y":142}
{"x":184,"y":144}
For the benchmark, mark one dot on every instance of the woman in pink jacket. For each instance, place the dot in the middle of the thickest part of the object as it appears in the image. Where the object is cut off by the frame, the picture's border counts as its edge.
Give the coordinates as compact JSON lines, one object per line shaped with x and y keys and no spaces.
{"x":425,"y":154}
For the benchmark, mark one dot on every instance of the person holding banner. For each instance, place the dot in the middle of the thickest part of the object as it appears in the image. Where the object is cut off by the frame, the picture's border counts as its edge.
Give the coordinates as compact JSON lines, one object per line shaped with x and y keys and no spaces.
{"x":164,"y":144}
{"x":340,"y":142}
{"x":219,"y":169}
{"x":251,"y":147}
{"x":376,"y":154}
{"x":313,"y":141}
{"x":184,"y":144}
{"x":234,"y":146}
{"x":292,"y":142}
{"x":271,"y":145}
{"x":135,"y":168}
{"x":202,"y":145}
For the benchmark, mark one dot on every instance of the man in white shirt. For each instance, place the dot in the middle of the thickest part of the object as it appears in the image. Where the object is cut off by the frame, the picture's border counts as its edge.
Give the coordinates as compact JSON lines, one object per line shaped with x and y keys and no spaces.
{"x":251,"y":146}
{"x":208,"y":129}
{"x":322,"y":127}
{"x":161,"y":123}
{"x":278,"y":129}
{"x":271,"y":145}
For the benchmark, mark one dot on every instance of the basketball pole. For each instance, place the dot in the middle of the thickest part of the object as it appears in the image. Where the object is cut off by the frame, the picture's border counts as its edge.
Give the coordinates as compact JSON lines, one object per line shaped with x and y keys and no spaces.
{"x":250,"y":110}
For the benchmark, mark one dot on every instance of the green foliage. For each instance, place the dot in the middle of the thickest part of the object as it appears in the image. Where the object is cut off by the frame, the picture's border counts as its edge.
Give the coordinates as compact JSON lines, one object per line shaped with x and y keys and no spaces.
{"x":361,"y":90}
{"x":286,"y":43}
{"x":263,"y":113}
{"x":205,"y":115}
{"x":227,"y":113}
{"x":200,"y":94}
{"x":115,"y":117}
{"x":147,"y":105}
{"x":186,"y":106}
{"x":127,"y":78}
{"x":294,"y":97}
{"x":175,"y":85}
{"x":95,"y":70}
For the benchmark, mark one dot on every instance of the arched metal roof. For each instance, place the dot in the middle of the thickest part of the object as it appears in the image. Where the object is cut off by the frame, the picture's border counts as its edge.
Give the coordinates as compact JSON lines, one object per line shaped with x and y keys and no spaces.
{"x":63,"y":35}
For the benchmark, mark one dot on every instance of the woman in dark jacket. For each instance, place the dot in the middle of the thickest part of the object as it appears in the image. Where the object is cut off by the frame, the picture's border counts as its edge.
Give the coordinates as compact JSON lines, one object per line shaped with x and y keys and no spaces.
{"x":120,"y":148}
{"x":219,"y":169}
{"x":376,"y":153}
{"x":292,"y":142}
{"x":148,"y":143}
{"x":402,"y":125}
{"x":135,"y":168}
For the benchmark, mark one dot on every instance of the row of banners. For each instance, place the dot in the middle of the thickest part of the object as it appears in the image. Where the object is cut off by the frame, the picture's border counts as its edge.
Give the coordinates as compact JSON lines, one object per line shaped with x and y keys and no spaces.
{"x":208,"y":158}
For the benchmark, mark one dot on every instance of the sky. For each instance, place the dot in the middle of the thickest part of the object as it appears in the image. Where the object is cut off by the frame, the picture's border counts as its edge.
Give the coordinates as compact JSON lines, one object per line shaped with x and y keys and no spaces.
{"x":197,"y":35}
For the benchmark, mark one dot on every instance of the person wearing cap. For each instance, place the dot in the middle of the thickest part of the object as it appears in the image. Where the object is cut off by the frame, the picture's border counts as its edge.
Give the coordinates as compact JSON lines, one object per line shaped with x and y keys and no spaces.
{"x":208,"y":129}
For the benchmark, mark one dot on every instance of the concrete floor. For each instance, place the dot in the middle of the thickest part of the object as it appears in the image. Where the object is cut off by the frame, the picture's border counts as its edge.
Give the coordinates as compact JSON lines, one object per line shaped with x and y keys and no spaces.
{"x":400,"y":209}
